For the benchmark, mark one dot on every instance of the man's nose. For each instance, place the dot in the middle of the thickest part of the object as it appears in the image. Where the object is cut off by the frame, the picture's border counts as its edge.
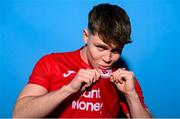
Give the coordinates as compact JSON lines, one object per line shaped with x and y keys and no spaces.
{"x":107,"y":57}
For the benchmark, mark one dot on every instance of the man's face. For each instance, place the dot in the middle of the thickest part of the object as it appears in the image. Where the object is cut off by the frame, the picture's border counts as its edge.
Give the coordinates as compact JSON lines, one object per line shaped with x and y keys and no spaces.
{"x":99,"y":54}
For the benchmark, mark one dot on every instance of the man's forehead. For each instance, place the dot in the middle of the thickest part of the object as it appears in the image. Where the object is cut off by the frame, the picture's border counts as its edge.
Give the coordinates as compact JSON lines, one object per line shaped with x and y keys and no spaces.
{"x":99,"y":41}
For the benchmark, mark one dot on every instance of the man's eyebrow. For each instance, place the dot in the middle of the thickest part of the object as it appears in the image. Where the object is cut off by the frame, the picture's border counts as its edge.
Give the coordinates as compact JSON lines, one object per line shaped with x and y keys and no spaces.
{"x":101,"y":45}
{"x":106,"y":47}
{"x":116,"y":49}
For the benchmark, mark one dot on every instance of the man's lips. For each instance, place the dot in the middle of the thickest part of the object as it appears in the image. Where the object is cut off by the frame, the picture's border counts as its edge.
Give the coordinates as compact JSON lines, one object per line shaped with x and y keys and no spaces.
{"x":105,"y":67}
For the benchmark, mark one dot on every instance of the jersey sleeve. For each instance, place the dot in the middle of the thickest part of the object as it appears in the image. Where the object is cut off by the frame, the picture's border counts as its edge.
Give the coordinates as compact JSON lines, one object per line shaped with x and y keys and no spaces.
{"x":41,"y":73}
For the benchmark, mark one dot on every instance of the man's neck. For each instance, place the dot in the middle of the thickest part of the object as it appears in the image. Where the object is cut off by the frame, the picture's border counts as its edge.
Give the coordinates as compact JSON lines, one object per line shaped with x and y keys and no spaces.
{"x":83,"y":54}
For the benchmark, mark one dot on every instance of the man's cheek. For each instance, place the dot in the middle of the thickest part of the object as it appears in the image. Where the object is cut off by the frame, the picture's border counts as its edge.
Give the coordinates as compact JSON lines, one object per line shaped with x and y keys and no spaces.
{"x":97,"y":56}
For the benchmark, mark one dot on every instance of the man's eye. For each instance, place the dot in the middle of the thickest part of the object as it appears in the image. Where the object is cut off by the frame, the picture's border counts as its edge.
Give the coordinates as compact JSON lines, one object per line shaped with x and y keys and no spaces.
{"x":100,"y":49}
{"x":117,"y":51}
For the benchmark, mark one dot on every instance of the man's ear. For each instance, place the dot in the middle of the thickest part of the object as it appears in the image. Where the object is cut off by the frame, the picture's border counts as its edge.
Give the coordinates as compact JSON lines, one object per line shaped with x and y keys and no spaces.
{"x":85,"y":35}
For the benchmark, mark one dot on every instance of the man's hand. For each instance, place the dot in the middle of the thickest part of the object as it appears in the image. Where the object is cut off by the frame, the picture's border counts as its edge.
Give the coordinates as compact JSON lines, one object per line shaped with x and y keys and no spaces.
{"x":124,"y":81}
{"x":83,"y":79}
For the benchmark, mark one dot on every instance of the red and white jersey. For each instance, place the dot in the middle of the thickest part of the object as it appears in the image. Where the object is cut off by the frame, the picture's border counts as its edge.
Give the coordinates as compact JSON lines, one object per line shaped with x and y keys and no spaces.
{"x":55,"y":70}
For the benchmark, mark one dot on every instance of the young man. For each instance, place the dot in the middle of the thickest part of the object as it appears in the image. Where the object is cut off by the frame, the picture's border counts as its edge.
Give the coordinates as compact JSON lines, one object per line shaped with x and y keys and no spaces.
{"x":87,"y":82}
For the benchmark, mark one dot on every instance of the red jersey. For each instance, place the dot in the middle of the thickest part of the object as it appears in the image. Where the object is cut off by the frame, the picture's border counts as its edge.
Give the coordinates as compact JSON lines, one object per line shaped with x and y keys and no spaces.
{"x":55,"y":70}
